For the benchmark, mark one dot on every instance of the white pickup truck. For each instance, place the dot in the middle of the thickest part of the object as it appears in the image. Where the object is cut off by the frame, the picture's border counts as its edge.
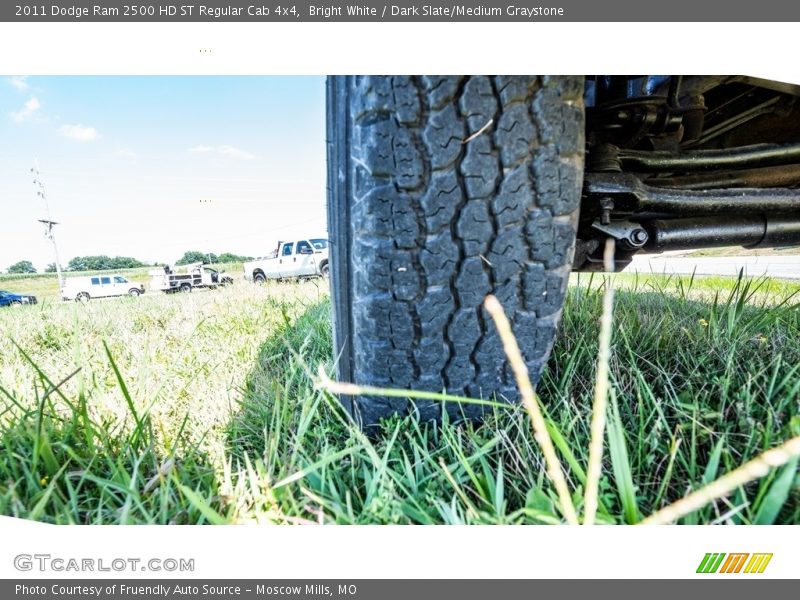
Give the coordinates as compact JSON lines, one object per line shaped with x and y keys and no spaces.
{"x":301,"y":258}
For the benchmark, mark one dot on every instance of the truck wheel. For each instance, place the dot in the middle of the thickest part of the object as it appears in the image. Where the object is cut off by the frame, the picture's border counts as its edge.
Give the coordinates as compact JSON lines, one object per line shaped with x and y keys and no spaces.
{"x":325,"y":270}
{"x":134,"y":292}
{"x":185,"y":288}
{"x":82,"y":297}
{"x":259,"y":279}
{"x":443,"y":190}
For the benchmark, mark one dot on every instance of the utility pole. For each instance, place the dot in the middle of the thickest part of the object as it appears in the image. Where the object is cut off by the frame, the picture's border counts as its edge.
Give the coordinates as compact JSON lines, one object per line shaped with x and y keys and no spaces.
{"x":48,"y":222}
{"x":207,"y":202}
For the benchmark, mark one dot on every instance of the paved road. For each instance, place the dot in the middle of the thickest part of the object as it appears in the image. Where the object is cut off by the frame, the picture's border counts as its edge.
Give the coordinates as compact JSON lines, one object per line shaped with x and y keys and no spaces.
{"x":784,"y":267}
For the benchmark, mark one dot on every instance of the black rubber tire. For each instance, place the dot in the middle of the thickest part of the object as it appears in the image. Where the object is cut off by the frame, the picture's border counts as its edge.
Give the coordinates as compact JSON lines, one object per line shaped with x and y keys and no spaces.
{"x":185,"y":288}
{"x":134,"y":293}
{"x":259,"y":279}
{"x":442,"y":190}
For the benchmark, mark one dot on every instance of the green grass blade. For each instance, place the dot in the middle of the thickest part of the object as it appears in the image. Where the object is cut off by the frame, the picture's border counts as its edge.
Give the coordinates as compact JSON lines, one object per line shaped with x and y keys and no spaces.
{"x":201,"y":505}
{"x":620,"y":465}
{"x":712,"y":468}
{"x":777,"y":495}
{"x":298,"y":475}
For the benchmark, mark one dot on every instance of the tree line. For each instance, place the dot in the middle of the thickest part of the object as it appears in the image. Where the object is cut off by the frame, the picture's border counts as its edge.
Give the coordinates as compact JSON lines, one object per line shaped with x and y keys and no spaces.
{"x":194,"y":256}
{"x":102,"y":262}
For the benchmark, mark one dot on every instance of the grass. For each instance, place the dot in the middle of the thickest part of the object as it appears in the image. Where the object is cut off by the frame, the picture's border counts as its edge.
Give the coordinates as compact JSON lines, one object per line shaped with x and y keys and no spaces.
{"x":200,"y":408}
{"x":740,"y":251}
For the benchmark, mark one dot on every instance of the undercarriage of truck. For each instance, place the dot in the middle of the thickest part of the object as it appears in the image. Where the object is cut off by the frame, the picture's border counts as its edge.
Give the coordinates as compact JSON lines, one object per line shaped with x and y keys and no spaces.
{"x":676,"y":163}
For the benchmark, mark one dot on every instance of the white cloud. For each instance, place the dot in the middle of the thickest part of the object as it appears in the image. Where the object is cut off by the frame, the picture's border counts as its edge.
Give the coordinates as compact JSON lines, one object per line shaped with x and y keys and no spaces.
{"x":127,"y":153}
{"x":79,"y":133}
{"x":30,"y":109}
{"x":235,"y":152}
{"x":224,"y":150}
{"x":19,"y":82}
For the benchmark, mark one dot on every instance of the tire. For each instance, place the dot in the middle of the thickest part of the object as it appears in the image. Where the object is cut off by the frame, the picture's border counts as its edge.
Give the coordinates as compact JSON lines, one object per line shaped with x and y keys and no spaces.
{"x":259,"y":279}
{"x":325,"y":270}
{"x":185,"y":288}
{"x":83,"y":297}
{"x":443,"y":190}
{"x":135,"y":293}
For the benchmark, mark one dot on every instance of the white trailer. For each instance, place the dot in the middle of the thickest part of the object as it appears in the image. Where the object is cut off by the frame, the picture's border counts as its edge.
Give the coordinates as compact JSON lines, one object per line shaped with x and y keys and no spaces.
{"x":187,"y":278}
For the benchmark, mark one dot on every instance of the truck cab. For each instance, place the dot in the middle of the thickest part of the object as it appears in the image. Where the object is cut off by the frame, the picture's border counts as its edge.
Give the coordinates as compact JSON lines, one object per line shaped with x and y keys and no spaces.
{"x":307,"y":257}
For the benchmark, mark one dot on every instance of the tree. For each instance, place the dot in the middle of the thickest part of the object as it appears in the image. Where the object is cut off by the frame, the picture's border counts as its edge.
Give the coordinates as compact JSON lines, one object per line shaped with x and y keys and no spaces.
{"x":228,"y":257}
{"x":50,"y":268}
{"x":193,"y":256}
{"x":23,"y":266}
{"x":103,"y":263}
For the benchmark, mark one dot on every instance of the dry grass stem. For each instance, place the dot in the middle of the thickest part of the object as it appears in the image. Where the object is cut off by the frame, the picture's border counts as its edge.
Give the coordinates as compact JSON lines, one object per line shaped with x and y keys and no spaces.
{"x":601,"y":389}
{"x":341,"y":388}
{"x":750,"y":471}
{"x":480,"y":131}
{"x":531,"y":404}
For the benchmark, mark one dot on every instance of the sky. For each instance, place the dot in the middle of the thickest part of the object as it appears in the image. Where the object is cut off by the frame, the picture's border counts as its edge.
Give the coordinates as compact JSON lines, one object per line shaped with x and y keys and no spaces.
{"x":151,"y":167}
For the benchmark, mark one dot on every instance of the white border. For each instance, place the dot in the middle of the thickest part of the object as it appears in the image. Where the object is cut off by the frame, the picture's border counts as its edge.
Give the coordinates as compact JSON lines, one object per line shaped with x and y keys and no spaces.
{"x":397,"y":48}
{"x":373,"y":552}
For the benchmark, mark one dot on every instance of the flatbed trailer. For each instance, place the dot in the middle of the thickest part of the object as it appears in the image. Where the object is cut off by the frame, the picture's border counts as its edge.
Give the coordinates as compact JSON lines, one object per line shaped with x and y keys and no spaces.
{"x":195,"y":275}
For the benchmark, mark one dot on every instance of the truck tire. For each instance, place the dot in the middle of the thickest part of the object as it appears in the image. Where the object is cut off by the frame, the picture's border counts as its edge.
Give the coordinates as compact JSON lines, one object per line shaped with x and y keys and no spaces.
{"x":259,"y":278}
{"x":442,"y":190}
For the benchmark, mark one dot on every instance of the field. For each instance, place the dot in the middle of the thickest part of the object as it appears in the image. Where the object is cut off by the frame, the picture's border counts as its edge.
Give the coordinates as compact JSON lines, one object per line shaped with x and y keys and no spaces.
{"x":740,"y":251}
{"x":203,"y":408}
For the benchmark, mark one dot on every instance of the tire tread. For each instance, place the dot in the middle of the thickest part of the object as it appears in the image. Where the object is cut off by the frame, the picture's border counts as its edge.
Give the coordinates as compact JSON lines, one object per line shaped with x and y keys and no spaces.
{"x":454,"y":187}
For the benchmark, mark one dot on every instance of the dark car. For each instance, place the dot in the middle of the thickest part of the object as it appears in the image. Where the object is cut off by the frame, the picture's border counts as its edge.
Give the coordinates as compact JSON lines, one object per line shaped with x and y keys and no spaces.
{"x":12,"y":299}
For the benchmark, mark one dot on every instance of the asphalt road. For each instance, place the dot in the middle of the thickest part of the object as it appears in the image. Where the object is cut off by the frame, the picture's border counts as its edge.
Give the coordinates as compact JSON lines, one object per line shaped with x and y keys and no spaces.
{"x":784,"y":267}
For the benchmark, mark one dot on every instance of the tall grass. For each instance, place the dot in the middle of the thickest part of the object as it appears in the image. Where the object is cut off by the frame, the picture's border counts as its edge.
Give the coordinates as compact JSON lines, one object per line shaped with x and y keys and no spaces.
{"x":202,"y":410}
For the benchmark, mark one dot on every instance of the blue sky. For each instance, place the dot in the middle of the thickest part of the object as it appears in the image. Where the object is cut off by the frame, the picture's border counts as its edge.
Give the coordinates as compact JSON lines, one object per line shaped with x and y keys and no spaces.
{"x":152,"y":166}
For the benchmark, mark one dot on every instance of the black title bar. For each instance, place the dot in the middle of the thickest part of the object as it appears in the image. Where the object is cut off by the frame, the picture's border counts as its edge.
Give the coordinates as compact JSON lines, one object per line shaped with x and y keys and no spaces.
{"x":311,"y":589}
{"x":402,"y":11}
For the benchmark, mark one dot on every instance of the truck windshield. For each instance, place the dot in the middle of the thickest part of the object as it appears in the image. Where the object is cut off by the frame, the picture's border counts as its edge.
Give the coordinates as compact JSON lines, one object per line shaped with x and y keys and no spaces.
{"x":319,"y":244}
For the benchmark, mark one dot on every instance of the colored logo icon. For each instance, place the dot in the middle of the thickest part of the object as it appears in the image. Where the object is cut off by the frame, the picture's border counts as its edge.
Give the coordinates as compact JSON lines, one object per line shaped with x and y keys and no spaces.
{"x":740,"y":562}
